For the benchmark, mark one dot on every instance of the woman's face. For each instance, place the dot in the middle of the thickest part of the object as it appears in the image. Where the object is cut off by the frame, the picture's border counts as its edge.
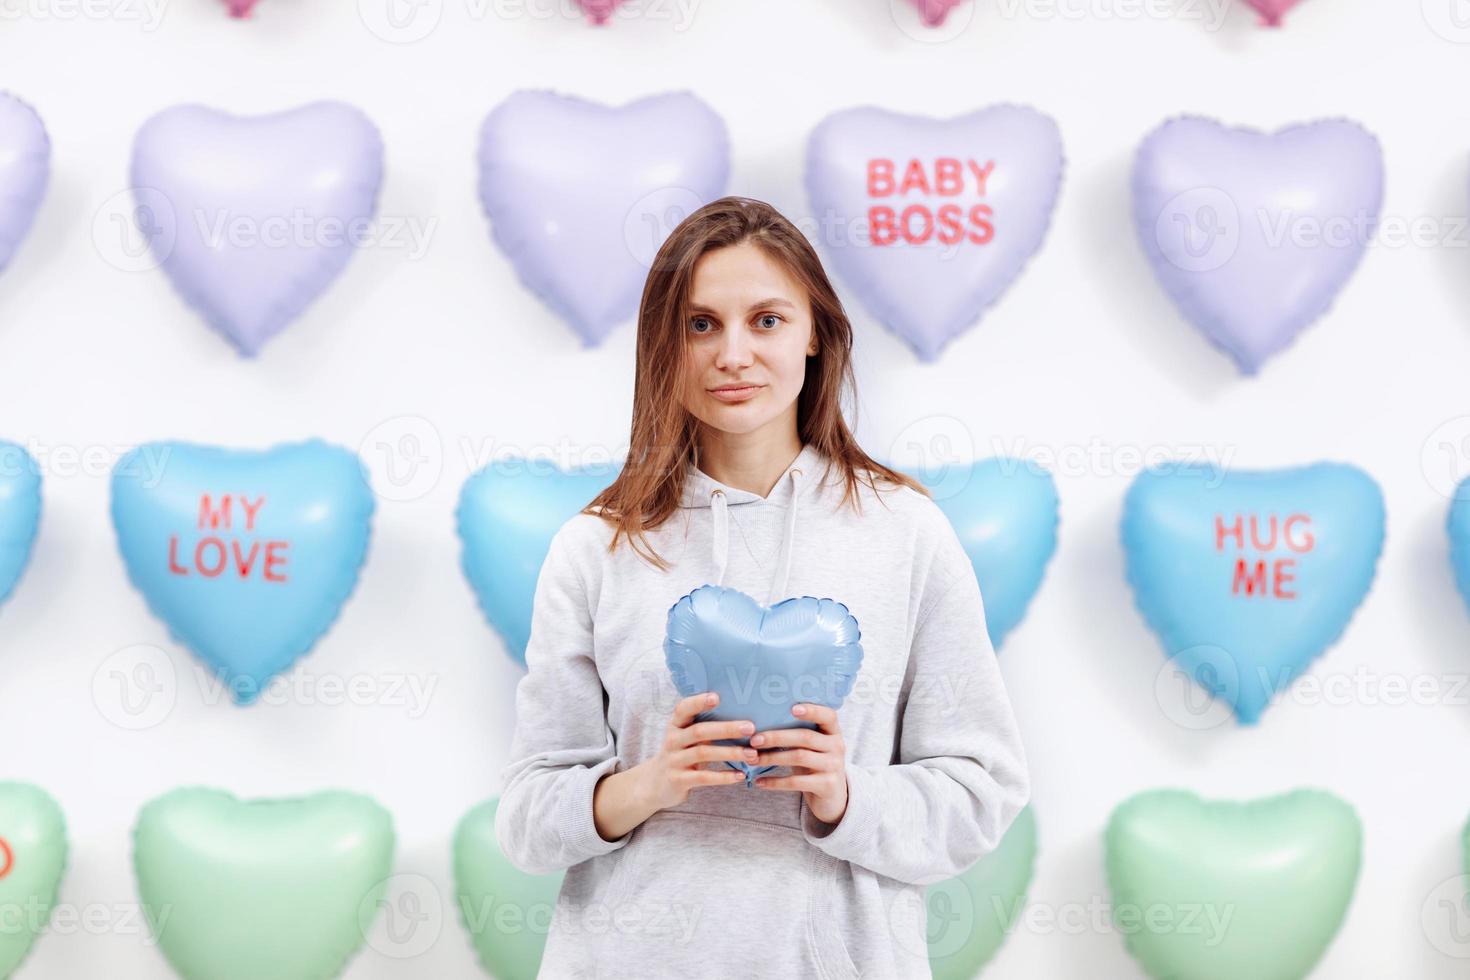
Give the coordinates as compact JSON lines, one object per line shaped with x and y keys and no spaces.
{"x":750,"y":327}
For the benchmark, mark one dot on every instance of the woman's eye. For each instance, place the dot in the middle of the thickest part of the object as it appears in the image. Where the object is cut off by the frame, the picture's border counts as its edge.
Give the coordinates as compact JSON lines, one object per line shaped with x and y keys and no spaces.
{"x":699,"y":323}
{"x":774,"y":320}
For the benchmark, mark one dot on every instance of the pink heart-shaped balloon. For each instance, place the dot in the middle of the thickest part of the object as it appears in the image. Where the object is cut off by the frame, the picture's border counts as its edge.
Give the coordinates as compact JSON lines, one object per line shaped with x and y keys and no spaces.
{"x":599,"y":11}
{"x":1271,"y":11}
{"x":240,"y":8}
{"x":933,"y":12}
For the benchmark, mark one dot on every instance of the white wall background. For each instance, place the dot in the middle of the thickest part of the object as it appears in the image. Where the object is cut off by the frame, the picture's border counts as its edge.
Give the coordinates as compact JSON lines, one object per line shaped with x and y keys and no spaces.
{"x":1085,"y":353}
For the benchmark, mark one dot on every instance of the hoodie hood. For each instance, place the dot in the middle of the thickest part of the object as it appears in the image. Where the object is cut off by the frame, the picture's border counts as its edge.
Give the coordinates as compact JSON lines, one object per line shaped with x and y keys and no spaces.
{"x":801,"y":481}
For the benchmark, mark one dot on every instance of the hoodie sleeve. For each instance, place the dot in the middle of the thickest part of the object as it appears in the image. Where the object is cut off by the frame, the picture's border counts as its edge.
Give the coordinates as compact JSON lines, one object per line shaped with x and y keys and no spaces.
{"x":960,"y":777}
{"x":562,"y":744}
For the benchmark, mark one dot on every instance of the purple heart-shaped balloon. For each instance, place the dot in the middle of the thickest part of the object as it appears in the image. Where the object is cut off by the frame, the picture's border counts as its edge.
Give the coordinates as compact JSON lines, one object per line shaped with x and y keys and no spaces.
{"x":252,"y":217}
{"x":930,"y":220}
{"x":1253,"y":234}
{"x":25,"y":166}
{"x":581,"y":195}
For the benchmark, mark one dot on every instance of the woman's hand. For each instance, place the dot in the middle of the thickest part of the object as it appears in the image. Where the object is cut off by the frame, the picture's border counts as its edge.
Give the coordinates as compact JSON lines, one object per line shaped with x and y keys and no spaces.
{"x":820,"y":753}
{"x":668,"y":777}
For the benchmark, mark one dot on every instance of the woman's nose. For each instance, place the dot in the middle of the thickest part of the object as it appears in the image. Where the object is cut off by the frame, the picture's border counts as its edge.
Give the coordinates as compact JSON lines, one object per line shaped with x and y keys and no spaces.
{"x":735,"y":348}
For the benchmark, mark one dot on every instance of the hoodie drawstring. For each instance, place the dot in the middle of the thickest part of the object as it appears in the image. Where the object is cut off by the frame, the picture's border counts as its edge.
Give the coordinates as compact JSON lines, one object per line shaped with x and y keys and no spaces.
{"x":721,"y":524}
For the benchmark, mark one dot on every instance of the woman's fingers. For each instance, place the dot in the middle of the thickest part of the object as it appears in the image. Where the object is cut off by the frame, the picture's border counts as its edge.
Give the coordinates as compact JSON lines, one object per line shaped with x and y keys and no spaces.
{"x":806,"y":758}
{"x":687,"y":708}
{"x":821,"y":715}
{"x":796,"y":737}
{"x":705,"y":752}
{"x":709,"y":731}
{"x":714,"y":777}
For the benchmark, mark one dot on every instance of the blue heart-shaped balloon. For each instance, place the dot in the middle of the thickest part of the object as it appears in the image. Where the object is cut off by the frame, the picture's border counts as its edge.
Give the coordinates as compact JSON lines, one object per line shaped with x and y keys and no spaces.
{"x":1247,"y":576}
{"x":20,"y":513}
{"x":761,"y":660}
{"x":1458,"y":527}
{"x":247,"y":555}
{"x":508,"y":513}
{"x":1005,"y":513}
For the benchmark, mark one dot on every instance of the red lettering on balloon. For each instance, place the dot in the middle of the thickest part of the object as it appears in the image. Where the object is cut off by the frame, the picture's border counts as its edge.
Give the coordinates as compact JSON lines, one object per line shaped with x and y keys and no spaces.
{"x":242,"y":563}
{"x":880,"y":178}
{"x":212,"y":518}
{"x":209,"y":571}
{"x":215,"y":554}
{"x":174,"y":567}
{"x":930,"y":221}
{"x":251,"y":510}
{"x":1260,"y":573}
{"x":7,"y":858}
{"x":275,"y":561}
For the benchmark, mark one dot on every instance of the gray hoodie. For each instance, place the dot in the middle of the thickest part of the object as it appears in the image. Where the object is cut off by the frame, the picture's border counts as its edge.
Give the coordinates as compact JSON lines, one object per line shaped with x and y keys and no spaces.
{"x":741,"y":881}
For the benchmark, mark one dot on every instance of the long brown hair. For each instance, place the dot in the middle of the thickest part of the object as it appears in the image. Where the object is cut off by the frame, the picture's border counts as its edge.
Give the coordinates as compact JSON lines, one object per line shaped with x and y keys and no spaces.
{"x":649,"y":487}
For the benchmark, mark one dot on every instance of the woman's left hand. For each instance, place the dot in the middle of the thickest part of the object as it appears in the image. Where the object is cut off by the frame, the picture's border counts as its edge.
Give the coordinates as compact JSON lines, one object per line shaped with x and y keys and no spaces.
{"x":818,"y":760}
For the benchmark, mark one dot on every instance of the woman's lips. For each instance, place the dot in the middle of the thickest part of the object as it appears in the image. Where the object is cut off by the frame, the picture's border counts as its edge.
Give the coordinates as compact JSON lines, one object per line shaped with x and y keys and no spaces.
{"x":735,"y":394}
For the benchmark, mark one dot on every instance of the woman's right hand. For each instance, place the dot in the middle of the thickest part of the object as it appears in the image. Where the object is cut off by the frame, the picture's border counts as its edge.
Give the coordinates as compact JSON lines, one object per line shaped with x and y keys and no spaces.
{"x":674,"y":771}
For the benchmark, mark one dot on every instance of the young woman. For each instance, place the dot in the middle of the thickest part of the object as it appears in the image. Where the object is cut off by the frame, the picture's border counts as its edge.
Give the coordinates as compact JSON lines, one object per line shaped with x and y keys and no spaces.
{"x":742,"y":472}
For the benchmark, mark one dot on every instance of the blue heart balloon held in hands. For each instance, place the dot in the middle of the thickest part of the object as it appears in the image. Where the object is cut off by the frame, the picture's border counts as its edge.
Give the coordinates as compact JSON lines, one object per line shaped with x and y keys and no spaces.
{"x":247,"y":555}
{"x":761,"y":660}
{"x":1247,"y":576}
{"x":20,"y":513}
{"x":508,"y":513}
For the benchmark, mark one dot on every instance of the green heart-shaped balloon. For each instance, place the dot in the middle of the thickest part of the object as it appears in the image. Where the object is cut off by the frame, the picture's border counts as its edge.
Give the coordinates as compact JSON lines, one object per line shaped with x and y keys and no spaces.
{"x":32,"y":861}
{"x":274,"y":889}
{"x":1225,"y":890}
{"x":970,"y":915}
{"x":506,"y":911}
